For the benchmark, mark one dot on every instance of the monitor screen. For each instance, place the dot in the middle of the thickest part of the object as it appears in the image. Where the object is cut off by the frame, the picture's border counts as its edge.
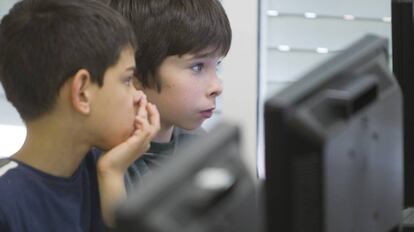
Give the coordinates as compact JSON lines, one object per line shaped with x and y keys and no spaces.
{"x":333,"y":146}
{"x":205,"y":188}
{"x":403,"y":67}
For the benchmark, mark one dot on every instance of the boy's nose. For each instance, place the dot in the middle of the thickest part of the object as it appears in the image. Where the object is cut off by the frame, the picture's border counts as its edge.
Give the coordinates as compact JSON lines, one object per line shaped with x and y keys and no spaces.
{"x":216,"y":87}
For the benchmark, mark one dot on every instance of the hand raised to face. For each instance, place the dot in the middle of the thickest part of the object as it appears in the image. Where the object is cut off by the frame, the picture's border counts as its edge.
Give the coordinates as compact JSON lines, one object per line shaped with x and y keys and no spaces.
{"x":146,"y":126}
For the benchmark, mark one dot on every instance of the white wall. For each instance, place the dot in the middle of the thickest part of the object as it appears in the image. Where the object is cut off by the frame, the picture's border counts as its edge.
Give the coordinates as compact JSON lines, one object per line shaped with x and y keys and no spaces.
{"x":240,"y":74}
{"x":5,"y":6}
{"x":12,"y":131}
{"x":330,"y":32}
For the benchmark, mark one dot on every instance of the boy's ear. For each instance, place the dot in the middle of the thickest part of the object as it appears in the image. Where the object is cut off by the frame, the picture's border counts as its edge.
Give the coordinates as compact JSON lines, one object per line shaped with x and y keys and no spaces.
{"x":81,"y":91}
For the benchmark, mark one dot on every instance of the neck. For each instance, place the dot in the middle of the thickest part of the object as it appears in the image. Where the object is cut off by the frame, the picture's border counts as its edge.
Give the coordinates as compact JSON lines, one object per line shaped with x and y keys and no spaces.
{"x":164,"y":135}
{"x":49,"y":150}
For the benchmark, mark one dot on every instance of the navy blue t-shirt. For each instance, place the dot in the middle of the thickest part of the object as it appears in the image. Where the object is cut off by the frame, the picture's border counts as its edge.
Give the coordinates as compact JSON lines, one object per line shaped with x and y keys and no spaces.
{"x":33,"y":201}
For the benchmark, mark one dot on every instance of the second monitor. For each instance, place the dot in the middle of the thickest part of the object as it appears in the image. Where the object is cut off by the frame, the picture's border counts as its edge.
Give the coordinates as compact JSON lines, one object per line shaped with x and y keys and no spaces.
{"x":333,"y":146}
{"x":206,"y":187}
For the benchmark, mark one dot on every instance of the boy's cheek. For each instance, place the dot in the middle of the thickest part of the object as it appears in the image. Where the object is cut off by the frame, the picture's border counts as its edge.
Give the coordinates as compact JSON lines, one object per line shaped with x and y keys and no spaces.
{"x":114,"y":138}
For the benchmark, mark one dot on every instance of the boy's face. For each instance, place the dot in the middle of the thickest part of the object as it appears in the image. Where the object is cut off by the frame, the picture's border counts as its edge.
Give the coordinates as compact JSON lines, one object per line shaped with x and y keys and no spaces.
{"x":189,"y":88}
{"x":115,"y":103}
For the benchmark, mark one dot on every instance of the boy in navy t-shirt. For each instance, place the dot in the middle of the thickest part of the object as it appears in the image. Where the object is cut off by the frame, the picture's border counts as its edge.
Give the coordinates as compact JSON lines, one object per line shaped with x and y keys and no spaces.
{"x":68,"y":69}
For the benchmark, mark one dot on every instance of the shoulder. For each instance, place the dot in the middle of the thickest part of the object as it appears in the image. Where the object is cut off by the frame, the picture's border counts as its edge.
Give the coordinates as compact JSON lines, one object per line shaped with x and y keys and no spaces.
{"x":12,"y":177}
{"x":11,"y":182}
{"x":5,"y":162}
{"x":7,"y":169}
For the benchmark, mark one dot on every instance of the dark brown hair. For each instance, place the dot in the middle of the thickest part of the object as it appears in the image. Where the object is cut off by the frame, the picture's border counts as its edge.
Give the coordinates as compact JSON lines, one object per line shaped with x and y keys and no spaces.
{"x":173,"y":27}
{"x":43,"y":43}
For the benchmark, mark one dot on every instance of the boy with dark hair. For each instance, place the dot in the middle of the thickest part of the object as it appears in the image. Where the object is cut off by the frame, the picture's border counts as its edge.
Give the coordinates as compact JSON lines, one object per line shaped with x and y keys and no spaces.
{"x":68,"y":68}
{"x":181,"y":46}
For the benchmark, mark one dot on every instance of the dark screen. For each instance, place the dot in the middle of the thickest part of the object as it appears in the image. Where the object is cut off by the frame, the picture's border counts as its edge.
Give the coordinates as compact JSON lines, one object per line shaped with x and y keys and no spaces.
{"x":333,"y":146}
{"x":403,"y":67}
{"x":205,"y":187}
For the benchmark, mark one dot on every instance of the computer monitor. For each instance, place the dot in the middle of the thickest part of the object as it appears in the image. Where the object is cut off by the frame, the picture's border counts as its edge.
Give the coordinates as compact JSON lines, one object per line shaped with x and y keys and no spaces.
{"x":403,"y":66}
{"x":333,"y":146}
{"x":205,"y":188}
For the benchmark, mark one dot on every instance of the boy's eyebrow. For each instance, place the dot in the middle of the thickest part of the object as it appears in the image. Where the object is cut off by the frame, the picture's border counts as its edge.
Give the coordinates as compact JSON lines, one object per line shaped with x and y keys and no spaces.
{"x":201,"y":55}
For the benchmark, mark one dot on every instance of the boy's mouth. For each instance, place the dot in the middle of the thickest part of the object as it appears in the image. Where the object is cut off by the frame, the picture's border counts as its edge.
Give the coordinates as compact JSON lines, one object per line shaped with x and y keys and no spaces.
{"x":207,"y":113}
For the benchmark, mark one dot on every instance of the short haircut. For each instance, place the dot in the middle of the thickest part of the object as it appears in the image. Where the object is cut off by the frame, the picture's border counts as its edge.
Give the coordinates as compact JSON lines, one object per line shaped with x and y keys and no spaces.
{"x":43,"y":43}
{"x":173,"y":27}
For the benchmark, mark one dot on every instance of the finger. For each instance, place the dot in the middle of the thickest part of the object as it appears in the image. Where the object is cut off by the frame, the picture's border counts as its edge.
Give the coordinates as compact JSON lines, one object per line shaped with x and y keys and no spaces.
{"x":154,"y":115}
{"x":141,"y":124}
{"x":145,"y":129}
{"x":142,"y":109}
{"x":140,"y":140}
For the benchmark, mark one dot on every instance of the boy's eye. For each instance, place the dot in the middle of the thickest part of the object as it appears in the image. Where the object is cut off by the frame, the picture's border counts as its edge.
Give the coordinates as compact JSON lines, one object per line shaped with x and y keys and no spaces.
{"x":197,"y":67}
{"x":128,"y":80}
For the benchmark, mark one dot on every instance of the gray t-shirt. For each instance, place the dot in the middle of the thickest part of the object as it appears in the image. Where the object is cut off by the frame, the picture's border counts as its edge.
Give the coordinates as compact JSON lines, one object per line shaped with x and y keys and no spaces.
{"x":156,"y":156}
